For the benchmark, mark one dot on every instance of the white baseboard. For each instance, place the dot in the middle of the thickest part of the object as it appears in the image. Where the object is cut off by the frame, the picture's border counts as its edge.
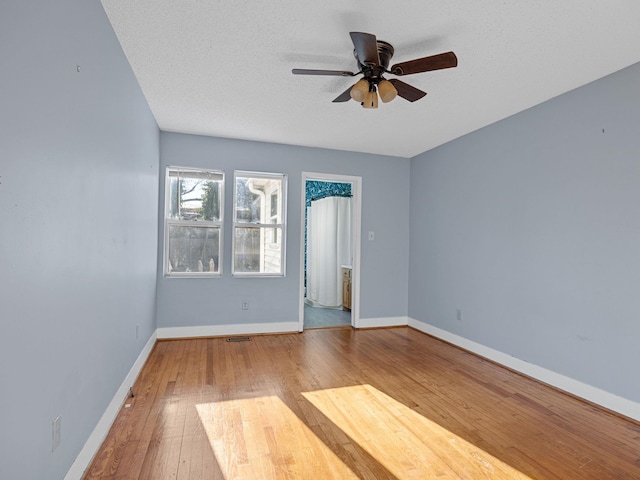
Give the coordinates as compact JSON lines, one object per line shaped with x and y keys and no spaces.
{"x":222,"y":330}
{"x":383,"y":322}
{"x":587,"y":392}
{"x":99,"y":433}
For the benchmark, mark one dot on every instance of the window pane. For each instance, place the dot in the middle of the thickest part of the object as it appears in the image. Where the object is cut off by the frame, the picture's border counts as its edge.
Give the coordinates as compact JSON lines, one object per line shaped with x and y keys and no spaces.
{"x":194,"y":195}
{"x":259,"y":216}
{"x":194,"y":249}
{"x":251,"y":197}
{"x":258,"y":250}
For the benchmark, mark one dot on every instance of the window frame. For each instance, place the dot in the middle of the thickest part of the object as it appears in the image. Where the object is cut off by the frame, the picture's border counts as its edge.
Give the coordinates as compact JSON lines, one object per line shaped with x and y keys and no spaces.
{"x":169,"y":222}
{"x":262,"y":226}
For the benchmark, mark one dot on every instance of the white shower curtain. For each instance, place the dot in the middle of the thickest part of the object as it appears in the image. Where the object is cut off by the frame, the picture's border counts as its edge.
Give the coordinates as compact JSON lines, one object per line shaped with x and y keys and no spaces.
{"x":328,"y":248}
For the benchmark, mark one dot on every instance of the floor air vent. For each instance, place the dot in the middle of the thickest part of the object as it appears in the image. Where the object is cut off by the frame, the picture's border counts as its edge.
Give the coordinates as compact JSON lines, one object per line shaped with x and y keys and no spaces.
{"x":239,"y":339}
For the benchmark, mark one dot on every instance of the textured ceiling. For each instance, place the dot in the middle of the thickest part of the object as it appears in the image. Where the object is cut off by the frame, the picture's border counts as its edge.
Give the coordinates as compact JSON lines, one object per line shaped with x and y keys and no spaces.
{"x":223,"y":68}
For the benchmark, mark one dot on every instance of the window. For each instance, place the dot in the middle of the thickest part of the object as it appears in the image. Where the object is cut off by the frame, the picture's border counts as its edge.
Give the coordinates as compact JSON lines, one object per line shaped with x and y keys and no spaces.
{"x":193,"y":222}
{"x":259,"y":224}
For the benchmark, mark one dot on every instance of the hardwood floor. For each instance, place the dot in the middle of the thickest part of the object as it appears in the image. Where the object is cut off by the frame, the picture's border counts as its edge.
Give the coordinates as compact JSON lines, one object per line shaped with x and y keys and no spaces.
{"x":340,"y":403}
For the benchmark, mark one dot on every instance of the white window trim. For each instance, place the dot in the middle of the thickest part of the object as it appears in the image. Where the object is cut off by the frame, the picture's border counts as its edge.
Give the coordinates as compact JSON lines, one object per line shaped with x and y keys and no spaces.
{"x":282,"y":226}
{"x":199,"y":223}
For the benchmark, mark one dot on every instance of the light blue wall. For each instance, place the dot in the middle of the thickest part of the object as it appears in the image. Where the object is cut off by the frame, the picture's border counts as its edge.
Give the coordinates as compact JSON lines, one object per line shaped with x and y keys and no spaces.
{"x":531,"y":227}
{"x":78,"y":236}
{"x":384,"y":263}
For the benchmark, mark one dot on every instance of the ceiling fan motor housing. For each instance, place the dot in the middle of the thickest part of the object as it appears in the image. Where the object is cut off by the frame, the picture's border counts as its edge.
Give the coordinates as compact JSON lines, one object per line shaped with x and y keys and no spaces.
{"x":373,"y":73}
{"x":385,"y":52}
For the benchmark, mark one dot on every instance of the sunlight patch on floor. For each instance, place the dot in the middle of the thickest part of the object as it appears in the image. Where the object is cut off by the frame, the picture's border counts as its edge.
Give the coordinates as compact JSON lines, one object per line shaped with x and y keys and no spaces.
{"x":407,"y":444}
{"x":261,"y":438}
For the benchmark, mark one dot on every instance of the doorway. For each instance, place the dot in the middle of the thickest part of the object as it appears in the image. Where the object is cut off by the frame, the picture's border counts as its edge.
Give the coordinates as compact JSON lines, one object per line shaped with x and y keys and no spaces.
{"x":330,"y":250}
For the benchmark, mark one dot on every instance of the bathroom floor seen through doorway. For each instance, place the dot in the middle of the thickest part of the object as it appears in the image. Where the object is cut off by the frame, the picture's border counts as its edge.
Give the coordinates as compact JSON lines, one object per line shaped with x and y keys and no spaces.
{"x":318,"y":317}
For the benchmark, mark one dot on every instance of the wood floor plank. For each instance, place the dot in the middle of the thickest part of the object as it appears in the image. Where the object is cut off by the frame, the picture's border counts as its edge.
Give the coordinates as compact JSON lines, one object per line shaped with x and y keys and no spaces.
{"x":340,"y":403}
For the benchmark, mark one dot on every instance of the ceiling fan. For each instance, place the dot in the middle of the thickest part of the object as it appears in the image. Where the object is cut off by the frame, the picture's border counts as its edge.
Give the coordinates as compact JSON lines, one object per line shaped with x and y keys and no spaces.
{"x":372,"y":57}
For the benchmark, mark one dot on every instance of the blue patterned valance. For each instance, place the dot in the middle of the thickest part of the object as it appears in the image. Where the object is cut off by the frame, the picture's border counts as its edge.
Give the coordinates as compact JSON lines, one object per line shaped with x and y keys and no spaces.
{"x":317,"y":189}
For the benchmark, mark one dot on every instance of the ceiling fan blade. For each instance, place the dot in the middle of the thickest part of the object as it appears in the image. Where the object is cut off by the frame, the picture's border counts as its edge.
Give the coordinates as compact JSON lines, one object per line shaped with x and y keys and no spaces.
{"x":344,"y":96}
{"x":426,"y":64}
{"x":337,"y":73}
{"x":406,"y":91}
{"x":366,"y":47}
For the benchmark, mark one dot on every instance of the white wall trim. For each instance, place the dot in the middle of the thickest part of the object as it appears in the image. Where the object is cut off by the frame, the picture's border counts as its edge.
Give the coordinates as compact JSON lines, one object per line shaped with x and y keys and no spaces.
{"x":356,"y":226}
{"x":383,"y":322}
{"x":84,"y":458}
{"x":587,"y":392}
{"x":221,"y":330}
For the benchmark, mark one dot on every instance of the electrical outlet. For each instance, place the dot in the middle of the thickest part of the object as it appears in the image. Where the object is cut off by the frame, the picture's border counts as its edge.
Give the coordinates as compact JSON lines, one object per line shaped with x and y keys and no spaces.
{"x":459,"y":314}
{"x":56,"y":432}
{"x":372,"y":236}
{"x":245,"y":305}
{"x":137,"y":331}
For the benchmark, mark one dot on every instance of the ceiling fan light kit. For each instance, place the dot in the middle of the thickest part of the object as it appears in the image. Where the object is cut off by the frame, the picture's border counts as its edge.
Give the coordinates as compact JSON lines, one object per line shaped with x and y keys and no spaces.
{"x":360,"y":90}
{"x":371,"y":100}
{"x":387,"y":91}
{"x":373,"y":57}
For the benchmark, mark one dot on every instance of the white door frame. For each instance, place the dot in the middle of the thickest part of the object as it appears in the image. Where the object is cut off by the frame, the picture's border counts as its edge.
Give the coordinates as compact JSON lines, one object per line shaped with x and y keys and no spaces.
{"x":356,"y":220}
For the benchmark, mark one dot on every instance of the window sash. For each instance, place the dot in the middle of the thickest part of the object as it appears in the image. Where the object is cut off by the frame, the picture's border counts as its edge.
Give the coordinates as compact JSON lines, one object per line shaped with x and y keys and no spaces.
{"x":214,"y":175}
{"x":217,"y":226}
{"x":267,"y":249}
{"x":193,"y":223}
{"x":194,"y":251}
